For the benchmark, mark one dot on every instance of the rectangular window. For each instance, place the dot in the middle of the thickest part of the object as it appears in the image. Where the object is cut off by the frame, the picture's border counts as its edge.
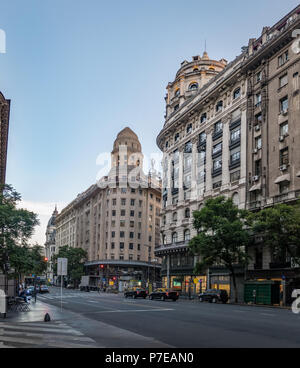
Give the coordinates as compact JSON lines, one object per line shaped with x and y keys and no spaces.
{"x":257,"y":99}
{"x":235,"y":176}
{"x":283,"y":81}
{"x":113,"y":234}
{"x":114,"y":202}
{"x":217,"y":148}
{"x":123,"y":201}
{"x":121,"y":245}
{"x":284,"y":105}
{"x":131,"y":246}
{"x":217,"y":164}
{"x":132,"y":213}
{"x":258,"y":142}
{"x":132,"y":202}
{"x":258,"y":77}
{"x":257,"y":168}
{"x":123,"y":213}
{"x":112,"y":245}
{"x":235,"y":134}
{"x":202,"y":137}
{"x":284,"y":129}
{"x":284,"y":156}
{"x":113,"y":212}
{"x":131,"y":223}
{"x":283,"y":58}
{"x":122,"y":223}
{"x":131,"y":235}
{"x":235,"y":157}
{"x":122,"y":234}
{"x":218,"y":127}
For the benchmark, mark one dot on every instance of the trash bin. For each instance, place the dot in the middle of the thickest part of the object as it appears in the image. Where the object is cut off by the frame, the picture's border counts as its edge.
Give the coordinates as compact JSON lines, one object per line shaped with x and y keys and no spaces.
{"x":3,"y":303}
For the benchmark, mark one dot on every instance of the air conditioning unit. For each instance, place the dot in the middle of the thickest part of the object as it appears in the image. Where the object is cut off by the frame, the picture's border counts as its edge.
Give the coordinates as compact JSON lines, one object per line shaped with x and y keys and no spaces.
{"x":255,"y":178}
{"x":283,"y":167}
{"x":255,"y":150}
{"x":281,"y":138}
{"x":257,"y":127}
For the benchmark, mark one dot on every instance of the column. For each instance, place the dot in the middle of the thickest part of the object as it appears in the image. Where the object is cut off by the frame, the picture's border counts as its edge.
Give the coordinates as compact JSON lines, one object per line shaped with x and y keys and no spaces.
{"x":194,"y":169}
{"x":225,"y":154}
{"x":209,"y":164}
{"x":180,"y":185}
{"x":169,"y":187}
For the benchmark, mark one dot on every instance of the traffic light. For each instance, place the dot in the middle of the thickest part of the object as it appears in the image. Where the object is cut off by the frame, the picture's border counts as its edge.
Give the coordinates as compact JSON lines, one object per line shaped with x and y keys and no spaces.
{"x":114,"y":278}
{"x":46,"y":259}
{"x":102,"y":266}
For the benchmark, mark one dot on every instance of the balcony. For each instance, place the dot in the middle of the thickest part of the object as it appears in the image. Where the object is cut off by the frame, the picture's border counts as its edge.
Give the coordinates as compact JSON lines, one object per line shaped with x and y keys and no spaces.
{"x":281,"y":198}
{"x":254,"y":205}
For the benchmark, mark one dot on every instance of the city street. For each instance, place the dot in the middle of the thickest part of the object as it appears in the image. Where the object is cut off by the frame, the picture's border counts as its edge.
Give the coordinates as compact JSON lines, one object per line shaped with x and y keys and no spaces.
{"x":107,"y":320}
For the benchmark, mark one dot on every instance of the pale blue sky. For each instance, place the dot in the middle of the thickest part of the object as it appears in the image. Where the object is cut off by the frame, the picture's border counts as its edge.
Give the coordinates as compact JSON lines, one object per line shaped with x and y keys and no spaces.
{"x":78,"y":72}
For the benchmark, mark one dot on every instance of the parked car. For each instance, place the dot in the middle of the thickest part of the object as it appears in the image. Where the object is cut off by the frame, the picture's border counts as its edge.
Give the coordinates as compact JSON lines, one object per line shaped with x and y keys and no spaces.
{"x":44,"y":289}
{"x":164,"y":294}
{"x":84,"y":288}
{"x":137,"y":293}
{"x":70,"y":286}
{"x":214,"y":296}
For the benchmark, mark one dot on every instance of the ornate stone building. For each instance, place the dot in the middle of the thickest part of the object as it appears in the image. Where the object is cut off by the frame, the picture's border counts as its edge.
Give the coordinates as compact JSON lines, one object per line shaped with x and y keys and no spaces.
{"x":117,"y":220}
{"x":228,"y":134}
{"x":204,"y":145}
{"x":4,"y":125}
{"x":50,"y":246}
{"x":273,"y":133}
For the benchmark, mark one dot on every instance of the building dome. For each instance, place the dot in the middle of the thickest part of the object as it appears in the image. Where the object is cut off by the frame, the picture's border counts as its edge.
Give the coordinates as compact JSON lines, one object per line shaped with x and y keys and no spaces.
{"x":128,"y":138}
{"x":51,"y":222}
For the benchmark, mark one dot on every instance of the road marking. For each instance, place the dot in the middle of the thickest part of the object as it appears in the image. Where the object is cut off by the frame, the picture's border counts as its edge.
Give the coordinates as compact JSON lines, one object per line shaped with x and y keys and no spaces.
{"x":30,"y":328}
{"x":267,"y":314}
{"x":132,"y":310}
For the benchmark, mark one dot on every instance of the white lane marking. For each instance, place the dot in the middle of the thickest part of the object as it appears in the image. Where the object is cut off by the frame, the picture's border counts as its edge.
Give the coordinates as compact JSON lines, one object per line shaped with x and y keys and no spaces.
{"x":239,"y":311}
{"x":267,"y":314}
{"x":133,"y":310}
{"x":93,"y":301}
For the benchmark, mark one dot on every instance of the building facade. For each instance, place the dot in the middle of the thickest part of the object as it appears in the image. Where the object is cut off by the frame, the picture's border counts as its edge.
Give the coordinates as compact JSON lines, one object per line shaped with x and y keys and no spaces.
{"x":227,"y":134}
{"x":273,"y":159}
{"x":4,"y":125}
{"x":50,"y":244}
{"x":117,"y":220}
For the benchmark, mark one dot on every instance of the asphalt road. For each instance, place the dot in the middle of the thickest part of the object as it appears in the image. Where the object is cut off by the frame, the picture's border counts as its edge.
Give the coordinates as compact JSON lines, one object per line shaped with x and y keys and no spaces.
{"x":113,"y":321}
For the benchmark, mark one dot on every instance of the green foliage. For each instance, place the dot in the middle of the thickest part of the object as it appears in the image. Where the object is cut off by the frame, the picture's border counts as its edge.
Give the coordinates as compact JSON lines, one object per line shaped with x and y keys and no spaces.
{"x":280,"y":228}
{"x":222,"y":235}
{"x":76,"y":258}
{"x":16,"y":225}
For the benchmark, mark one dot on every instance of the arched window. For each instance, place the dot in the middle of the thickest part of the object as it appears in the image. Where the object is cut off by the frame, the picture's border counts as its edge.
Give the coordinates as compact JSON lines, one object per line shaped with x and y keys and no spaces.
{"x":200,"y":206}
{"x":187,"y":235}
{"x":174,"y":216}
{"x":177,"y":92}
{"x":174,"y":238}
{"x":193,"y":86}
{"x":164,"y":239}
{"x":187,"y":213}
{"x":235,"y":199}
{"x":237,"y":93}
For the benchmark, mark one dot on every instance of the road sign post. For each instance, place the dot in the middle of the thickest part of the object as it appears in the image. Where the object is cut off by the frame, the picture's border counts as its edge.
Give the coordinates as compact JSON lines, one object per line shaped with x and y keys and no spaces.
{"x":62,"y":270}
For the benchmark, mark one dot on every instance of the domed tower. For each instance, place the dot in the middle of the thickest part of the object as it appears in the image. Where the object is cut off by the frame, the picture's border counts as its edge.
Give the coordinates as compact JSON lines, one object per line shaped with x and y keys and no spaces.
{"x":127,"y":150}
{"x":190,"y":78}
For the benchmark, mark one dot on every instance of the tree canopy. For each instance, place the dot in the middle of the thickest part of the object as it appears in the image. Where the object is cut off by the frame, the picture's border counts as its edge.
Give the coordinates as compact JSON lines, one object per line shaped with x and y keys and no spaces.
{"x":76,"y":258}
{"x":279,"y":227}
{"x":16,"y":225}
{"x":222,"y":236}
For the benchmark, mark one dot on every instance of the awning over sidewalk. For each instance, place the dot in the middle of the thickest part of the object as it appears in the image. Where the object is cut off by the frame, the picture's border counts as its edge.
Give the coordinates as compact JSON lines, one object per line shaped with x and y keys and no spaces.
{"x":283,"y":178}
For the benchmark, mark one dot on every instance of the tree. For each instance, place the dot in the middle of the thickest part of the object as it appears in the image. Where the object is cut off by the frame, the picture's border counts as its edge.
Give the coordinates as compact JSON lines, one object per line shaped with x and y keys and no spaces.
{"x":280,"y":228}
{"x":76,"y":258}
{"x":222,"y":236}
{"x":16,"y":225}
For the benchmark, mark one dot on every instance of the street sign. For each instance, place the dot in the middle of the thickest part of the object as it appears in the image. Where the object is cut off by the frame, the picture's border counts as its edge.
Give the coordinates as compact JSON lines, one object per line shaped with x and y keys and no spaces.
{"x":62,"y":266}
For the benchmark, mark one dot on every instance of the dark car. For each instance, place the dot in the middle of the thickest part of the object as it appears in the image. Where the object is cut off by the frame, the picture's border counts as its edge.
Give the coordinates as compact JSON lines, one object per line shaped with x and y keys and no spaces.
{"x":44,"y":289}
{"x":164,"y":294}
{"x":137,"y":293}
{"x":214,"y":296}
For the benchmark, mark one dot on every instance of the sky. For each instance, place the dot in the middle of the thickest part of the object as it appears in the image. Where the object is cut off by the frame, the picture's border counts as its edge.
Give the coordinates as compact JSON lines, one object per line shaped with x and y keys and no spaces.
{"x":77,"y":72}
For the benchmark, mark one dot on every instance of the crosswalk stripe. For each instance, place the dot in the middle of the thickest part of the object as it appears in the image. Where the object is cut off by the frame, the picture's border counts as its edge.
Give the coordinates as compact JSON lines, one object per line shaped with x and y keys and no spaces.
{"x":35,"y":342}
{"x":30,"y":328}
{"x":46,"y":336}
